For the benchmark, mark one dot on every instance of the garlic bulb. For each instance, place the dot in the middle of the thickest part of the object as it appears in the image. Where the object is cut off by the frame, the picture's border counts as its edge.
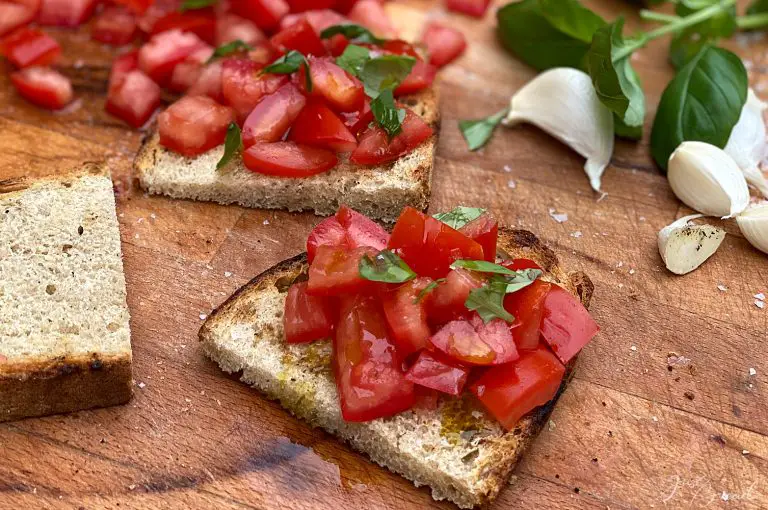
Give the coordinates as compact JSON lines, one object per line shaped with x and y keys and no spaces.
{"x":562,"y":101}
{"x":684,"y":247}
{"x":753,"y":223}
{"x":747,"y":144}
{"x":707,"y":180}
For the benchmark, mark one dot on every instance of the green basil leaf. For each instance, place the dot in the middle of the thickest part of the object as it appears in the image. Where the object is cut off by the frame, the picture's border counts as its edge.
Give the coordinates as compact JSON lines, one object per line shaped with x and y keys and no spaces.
{"x":482,"y":266}
{"x":385,"y":267}
{"x":385,"y":72}
{"x":488,"y":302}
{"x":571,"y":18}
{"x":623,"y":131}
{"x":616,"y":82}
{"x":232,"y":145}
{"x":685,"y":45}
{"x":459,"y":216}
{"x":191,"y":5}
{"x":352,"y":32}
{"x":353,"y":59}
{"x":722,"y":24}
{"x":427,"y":290}
{"x":478,"y":132}
{"x":387,"y":115}
{"x":289,"y":64}
{"x":228,"y":49}
{"x":758,"y":7}
{"x":702,"y":103}
{"x":521,"y":279}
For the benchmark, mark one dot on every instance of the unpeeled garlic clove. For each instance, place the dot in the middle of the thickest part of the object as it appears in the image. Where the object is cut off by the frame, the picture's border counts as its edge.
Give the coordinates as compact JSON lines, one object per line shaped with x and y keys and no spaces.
{"x":684,"y":247}
{"x":707,"y":180}
{"x":747,"y":144}
{"x":562,"y":101}
{"x":753,"y":223}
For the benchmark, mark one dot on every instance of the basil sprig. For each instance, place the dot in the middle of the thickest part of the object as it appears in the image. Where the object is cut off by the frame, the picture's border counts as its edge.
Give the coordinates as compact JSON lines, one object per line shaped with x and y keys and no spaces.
{"x":478,"y":132}
{"x":228,"y":49}
{"x":353,"y":59}
{"x":192,"y":5}
{"x":385,"y":267}
{"x":488,"y":300}
{"x":385,"y":72}
{"x":233,"y":145}
{"x":387,"y":115}
{"x":352,"y":32}
{"x":459,"y":216}
{"x":289,"y":64}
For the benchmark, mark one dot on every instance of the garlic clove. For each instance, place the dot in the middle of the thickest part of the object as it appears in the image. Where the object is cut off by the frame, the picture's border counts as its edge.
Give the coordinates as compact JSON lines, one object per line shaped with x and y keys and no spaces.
{"x":753,"y":223}
{"x":562,"y":101}
{"x":707,"y":180}
{"x":747,"y":144}
{"x":684,"y":247}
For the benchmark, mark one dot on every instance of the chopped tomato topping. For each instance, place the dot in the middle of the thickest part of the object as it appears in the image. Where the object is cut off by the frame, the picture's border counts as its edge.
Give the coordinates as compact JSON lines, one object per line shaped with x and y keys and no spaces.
{"x":187,"y":72}
{"x":306,"y":5}
{"x":265,"y":13}
{"x":320,"y":19}
{"x":335,"y":271}
{"x":342,"y":91}
{"x":306,"y":318}
{"x":164,"y":51}
{"x":567,"y":326}
{"x":444,"y":43}
{"x":300,"y":37}
{"x":527,"y":305}
{"x":347,"y":229}
{"x":137,"y":6}
{"x":359,"y":120}
{"x":264,"y":53}
{"x":288,"y":159}
{"x":422,"y":76}
{"x":132,"y":95}
{"x":376,"y":148}
{"x":426,"y":398}
{"x":194,"y":124}
{"x":474,"y":8}
{"x":68,"y":13}
{"x":17,"y":13}
{"x":336,"y":45}
{"x":43,"y":87}
{"x":476,"y":342}
{"x":115,"y":26}
{"x":231,"y":27}
{"x":511,"y":391}
{"x":318,"y":126}
{"x":400,"y":47}
{"x":439,"y":373}
{"x":273,"y":115}
{"x":371,"y":14}
{"x":243,"y":85}
{"x":155,"y":12}
{"x":200,"y":22}
{"x":367,"y":366}
{"x":484,"y":230}
{"x":519,"y":264}
{"x":209,"y":82}
{"x":406,"y":313}
{"x":28,"y":47}
{"x":447,"y":301}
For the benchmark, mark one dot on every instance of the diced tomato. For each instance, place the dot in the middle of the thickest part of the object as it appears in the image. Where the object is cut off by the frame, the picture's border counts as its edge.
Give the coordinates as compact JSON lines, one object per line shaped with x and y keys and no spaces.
{"x":510,"y":392}
{"x":16,"y":13}
{"x":28,"y":47}
{"x":367,"y":366}
{"x":187,"y":72}
{"x":265,"y":13}
{"x":306,"y":5}
{"x":159,"y":56}
{"x":318,"y":126}
{"x":336,"y":45}
{"x":475,"y":8}
{"x":243,"y":85}
{"x":484,"y":230}
{"x":447,"y":300}
{"x":567,"y":326}
{"x":477,"y":342}
{"x":200,"y":22}
{"x":344,"y":6}
{"x":376,"y":148}
{"x":273,"y":115}
{"x":426,"y":398}
{"x":132,"y":95}
{"x":43,"y":87}
{"x":123,"y":64}
{"x":520,"y":264}
{"x":288,"y":159}
{"x":400,"y":47}
{"x":439,"y":373}
{"x":406,"y":313}
{"x":194,"y":124}
{"x":527,"y":305}
{"x":342,"y":91}
{"x":231,"y":27}
{"x":306,"y":318}
{"x":371,"y":14}
{"x":264,"y":53}
{"x":209,"y":82}
{"x":357,"y":121}
{"x":137,"y":6}
{"x":157,"y":10}
{"x":115,"y":26}
{"x":347,"y":229}
{"x":320,"y":19}
{"x":444,"y":43}
{"x":429,"y":246}
{"x":335,"y":271}
{"x":68,"y":13}
{"x":422,"y":76}
{"x":300,"y":37}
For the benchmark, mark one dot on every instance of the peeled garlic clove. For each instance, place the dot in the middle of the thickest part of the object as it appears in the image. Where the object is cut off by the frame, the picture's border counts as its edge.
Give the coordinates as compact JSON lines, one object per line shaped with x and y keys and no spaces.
{"x":707,"y":180}
{"x":753,"y":223}
{"x":747,"y":144}
{"x":684,"y":247}
{"x":563,"y":102}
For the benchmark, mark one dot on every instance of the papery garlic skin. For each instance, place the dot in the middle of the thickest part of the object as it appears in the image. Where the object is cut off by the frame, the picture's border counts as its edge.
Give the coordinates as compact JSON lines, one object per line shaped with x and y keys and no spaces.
{"x":685,"y":247}
{"x":563,"y":102}
{"x":707,"y":180}
{"x":753,"y":223}
{"x":747,"y":144}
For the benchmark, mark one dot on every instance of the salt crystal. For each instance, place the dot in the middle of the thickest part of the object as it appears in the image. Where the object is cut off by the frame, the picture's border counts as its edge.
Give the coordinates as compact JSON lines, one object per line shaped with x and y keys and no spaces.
{"x":752,"y":371}
{"x":142,"y":385}
{"x":619,"y":264}
{"x":576,"y":234}
{"x":227,"y":274}
{"x":631,"y":271}
{"x":131,"y":487}
{"x":642,"y":218}
{"x":136,"y":236}
{"x":507,"y":168}
{"x":558,"y":217}
{"x":759,"y":304}
{"x":759,"y":296}
{"x":551,"y":425}
{"x":745,"y":452}
{"x":655,"y":419}
{"x":724,"y":496}
{"x":266,"y":222}
{"x":511,"y":184}
{"x":721,"y":287}
{"x":633,"y":348}
{"x":187,"y":400}
{"x":674,"y":359}
{"x":153,"y":216}
{"x":203,"y":316}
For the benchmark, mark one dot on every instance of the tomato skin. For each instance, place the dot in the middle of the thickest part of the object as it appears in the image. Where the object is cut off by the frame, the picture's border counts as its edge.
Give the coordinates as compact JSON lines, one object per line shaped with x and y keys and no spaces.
{"x":15,"y":15}
{"x":422,"y":76}
{"x":347,"y":229}
{"x":231,"y":27}
{"x":43,"y":86}
{"x":474,"y":8}
{"x":273,"y":115}
{"x":336,"y":45}
{"x":484,"y":230}
{"x":359,"y":120}
{"x":155,"y":11}
{"x":68,"y":13}
{"x":566,"y":326}
{"x":335,"y":271}
{"x":341,"y":91}
{"x":164,"y":51}
{"x":115,"y":26}
{"x":444,"y":44}
{"x":200,"y":22}
{"x":511,"y":391}
{"x":476,"y":342}
{"x":520,"y":264}
{"x":209,"y":82}
{"x":320,"y":19}
{"x":187,"y":72}
{"x":366,"y":363}
{"x":438,"y":373}
{"x":306,"y":318}
{"x":193,"y":125}
{"x":308,"y":5}
{"x":300,"y":37}
{"x":407,"y":316}
{"x":446,"y":302}
{"x":376,"y":148}
{"x":243,"y":86}
{"x":318,"y":126}
{"x":527,"y":305}
{"x":401,"y":47}
{"x":137,"y":6}
{"x":132,"y":96}
{"x":371,"y":14}
{"x":288,"y":159}
{"x":27,"y":47}
{"x":265,"y":13}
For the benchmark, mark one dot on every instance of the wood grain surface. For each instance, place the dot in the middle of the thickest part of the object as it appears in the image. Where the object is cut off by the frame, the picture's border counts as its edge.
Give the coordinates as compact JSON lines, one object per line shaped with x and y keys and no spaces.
{"x":663,"y":411}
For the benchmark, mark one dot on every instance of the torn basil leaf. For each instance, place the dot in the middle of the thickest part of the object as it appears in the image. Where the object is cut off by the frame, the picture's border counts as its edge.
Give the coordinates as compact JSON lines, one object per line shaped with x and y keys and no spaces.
{"x":232,"y":145}
{"x":385,"y":267}
{"x":192,"y":5}
{"x":482,"y":266}
{"x":228,"y":49}
{"x":522,"y":279}
{"x":352,"y":32}
{"x":478,"y":132}
{"x":289,"y":64}
{"x":488,"y":302}
{"x":387,"y":115}
{"x":427,"y":290}
{"x":385,"y":72}
{"x":353,"y":59}
{"x":459,"y":216}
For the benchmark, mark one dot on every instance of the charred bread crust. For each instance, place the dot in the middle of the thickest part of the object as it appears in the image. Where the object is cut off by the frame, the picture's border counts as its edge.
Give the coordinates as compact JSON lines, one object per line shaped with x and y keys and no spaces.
{"x":19,"y":184}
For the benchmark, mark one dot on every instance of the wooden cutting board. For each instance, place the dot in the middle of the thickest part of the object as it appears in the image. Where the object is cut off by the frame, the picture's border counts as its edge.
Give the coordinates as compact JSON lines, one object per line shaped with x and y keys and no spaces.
{"x":663,"y":411}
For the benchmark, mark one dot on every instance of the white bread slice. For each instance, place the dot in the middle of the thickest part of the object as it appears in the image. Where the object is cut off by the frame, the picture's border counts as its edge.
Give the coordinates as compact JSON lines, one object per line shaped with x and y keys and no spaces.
{"x":379,"y":192}
{"x":458,"y":450}
{"x":64,"y":334}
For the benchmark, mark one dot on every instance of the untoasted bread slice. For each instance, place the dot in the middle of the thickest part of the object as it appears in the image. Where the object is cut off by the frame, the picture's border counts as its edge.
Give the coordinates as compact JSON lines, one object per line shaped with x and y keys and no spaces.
{"x":458,"y":450}
{"x":379,"y":192}
{"x":64,"y":334}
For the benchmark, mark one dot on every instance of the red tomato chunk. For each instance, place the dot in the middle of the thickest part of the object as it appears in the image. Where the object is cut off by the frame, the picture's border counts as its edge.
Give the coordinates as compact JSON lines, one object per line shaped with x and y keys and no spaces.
{"x":474,"y":8}
{"x":28,"y":47}
{"x":446,"y":302}
{"x":406,"y":313}
{"x":288,"y":159}
{"x":347,"y":229}
{"x":444,"y":44}
{"x":438,"y":373}
{"x":115,"y":26}
{"x":527,"y":305}
{"x":159,"y":56}
{"x":306,"y":5}
{"x":307,"y":318}
{"x":187,"y":72}
{"x":320,"y":19}
{"x":422,"y":76}
{"x":209,"y":82}
{"x":274,"y":115}
{"x":132,"y":96}
{"x":231,"y":27}
{"x":376,"y":148}
{"x":519,"y":264}
{"x":193,"y":125}
{"x":476,"y":342}
{"x":342,"y":91}
{"x":567,"y":326}
{"x":484,"y":230}
{"x":371,"y":14}
{"x":200,"y":22}
{"x":300,"y":37}
{"x":69,"y":13}
{"x":243,"y":86}
{"x":265,"y":13}
{"x":16,"y":13}
{"x":335,"y":271}
{"x":43,"y":87}
{"x":318,"y":126}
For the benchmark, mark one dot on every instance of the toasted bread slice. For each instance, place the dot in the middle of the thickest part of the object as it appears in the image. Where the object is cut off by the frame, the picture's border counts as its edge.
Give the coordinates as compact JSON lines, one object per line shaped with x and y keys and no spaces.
{"x":379,"y":192}
{"x":64,"y":334}
{"x":458,"y":450}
